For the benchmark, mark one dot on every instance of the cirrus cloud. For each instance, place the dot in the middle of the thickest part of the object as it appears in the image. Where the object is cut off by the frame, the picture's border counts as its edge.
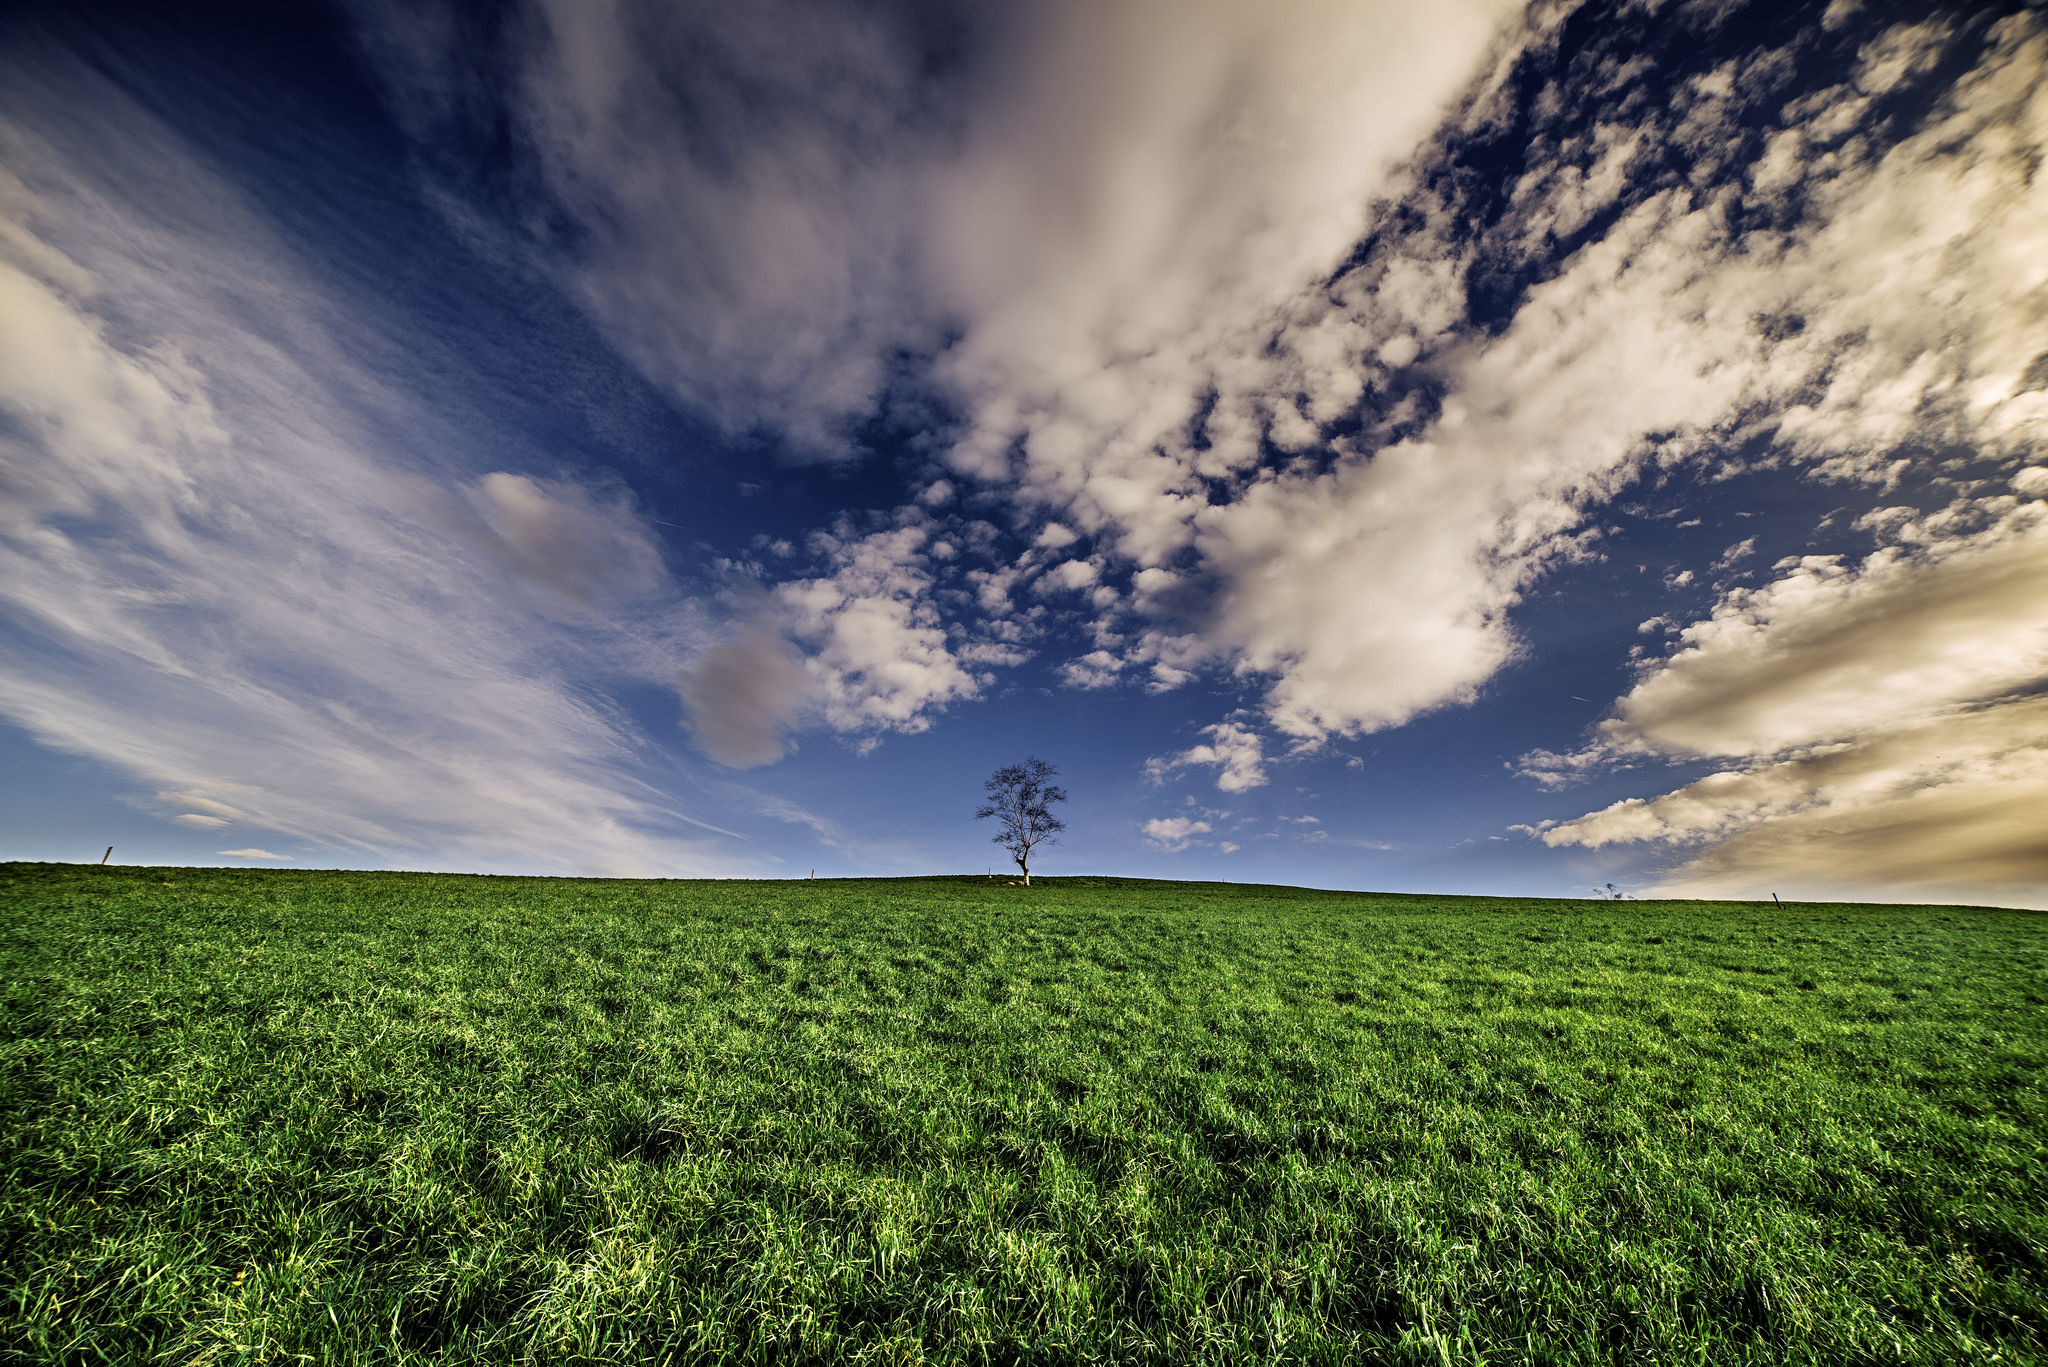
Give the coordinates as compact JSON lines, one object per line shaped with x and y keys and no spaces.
{"x":217,"y":576}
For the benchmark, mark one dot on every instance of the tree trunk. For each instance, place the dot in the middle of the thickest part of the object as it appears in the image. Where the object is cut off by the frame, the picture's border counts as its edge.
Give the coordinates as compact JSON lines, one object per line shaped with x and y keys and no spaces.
{"x":1026,"y":866}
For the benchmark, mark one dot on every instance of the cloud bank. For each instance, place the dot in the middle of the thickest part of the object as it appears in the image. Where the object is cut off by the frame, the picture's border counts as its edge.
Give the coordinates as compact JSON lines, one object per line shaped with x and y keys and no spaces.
{"x":1886,"y":718}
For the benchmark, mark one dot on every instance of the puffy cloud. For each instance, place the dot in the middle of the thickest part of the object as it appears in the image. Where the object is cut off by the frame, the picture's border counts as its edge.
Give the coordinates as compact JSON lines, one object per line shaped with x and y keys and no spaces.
{"x":1902,"y":307}
{"x":1070,"y":574}
{"x":879,"y":652}
{"x":1152,"y":185}
{"x":1070,"y":183}
{"x":1096,"y":669}
{"x":1175,"y":833}
{"x":1235,"y":749}
{"x":1921,"y":296}
{"x":1364,"y":612}
{"x":1882,"y":717}
{"x":1103,"y":205}
{"x":1136,"y":217}
{"x":1053,"y":536}
{"x":1736,"y":554}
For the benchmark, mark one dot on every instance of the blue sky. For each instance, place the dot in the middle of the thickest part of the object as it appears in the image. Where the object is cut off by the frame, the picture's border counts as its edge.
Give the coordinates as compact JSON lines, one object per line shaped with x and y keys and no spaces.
{"x":1469,"y":448}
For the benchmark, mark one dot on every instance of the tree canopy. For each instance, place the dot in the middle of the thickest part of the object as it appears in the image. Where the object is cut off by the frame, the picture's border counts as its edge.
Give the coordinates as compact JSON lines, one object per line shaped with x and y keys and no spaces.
{"x":1020,"y":797}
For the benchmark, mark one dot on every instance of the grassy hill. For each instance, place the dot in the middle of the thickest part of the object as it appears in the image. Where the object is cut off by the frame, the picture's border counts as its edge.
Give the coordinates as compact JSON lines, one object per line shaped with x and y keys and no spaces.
{"x":353,"y":1117}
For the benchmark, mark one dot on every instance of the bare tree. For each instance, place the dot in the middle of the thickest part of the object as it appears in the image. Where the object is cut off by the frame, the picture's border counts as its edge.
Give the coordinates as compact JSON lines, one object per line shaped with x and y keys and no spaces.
{"x":1021,"y":799}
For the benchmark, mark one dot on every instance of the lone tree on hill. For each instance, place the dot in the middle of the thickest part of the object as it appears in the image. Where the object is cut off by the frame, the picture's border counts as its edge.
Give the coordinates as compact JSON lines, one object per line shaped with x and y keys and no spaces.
{"x":1020,"y":797}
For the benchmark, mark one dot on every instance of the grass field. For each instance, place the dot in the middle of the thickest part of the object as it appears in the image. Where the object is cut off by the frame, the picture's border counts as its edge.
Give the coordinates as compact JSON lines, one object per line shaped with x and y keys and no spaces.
{"x":357,"y":1117}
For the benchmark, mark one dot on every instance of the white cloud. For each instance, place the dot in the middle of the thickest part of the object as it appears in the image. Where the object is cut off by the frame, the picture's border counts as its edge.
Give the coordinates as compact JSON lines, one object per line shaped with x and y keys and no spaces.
{"x":1382,"y":587}
{"x":1175,"y":833}
{"x":1096,"y":669}
{"x":1885,"y":718}
{"x":1053,"y":536}
{"x":1736,"y":554}
{"x":1108,"y":206}
{"x":1151,"y":187}
{"x":1828,"y":652}
{"x":1881,"y":719}
{"x":1366,"y":613}
{"x":1069,"y":575}
{"x":879,"y":652}
{"x":1236,"y":751}
{"x":215,"y":577}
{"x":1128,"y":227}
{"x":1922,"y":293}
{"x":1085,"y":184}
{"x":1166,"y":677}
{"x":250,"y":854}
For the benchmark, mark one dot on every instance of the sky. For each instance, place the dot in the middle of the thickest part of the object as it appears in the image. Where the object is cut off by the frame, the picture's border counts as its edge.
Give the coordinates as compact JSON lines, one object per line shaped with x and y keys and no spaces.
{"x":1470,"y":448}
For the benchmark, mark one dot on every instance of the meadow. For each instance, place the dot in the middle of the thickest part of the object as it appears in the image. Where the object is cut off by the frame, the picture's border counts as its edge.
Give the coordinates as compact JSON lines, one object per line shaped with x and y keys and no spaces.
{"x":374,"y":1117}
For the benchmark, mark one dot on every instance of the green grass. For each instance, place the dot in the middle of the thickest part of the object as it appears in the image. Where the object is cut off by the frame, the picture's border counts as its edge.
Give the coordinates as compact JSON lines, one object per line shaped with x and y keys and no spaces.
{"x":357,"y":1117}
